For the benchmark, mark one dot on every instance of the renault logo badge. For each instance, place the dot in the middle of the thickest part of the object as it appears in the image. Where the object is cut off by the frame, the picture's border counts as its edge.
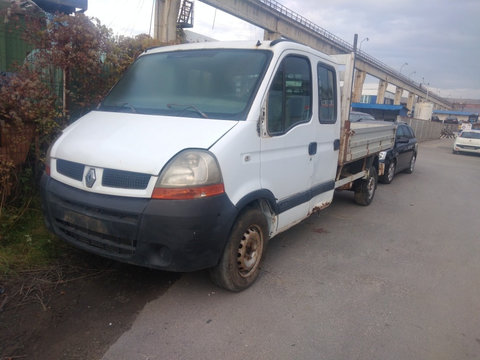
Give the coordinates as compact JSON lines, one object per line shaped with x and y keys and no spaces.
{"x":90,"y":178}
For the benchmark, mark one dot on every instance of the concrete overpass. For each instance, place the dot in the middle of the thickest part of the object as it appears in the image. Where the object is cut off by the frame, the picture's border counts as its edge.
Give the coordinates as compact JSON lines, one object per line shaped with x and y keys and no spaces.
{"x":279,"y":21}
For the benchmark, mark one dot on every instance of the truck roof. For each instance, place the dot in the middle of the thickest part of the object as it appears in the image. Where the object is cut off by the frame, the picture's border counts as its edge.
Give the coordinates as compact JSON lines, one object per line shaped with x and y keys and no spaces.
{"x":275,"y":46}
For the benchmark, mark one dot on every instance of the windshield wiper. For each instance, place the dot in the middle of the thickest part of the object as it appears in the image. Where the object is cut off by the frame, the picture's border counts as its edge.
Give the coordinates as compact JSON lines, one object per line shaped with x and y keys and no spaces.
{"x":130,"y":106}
{"x":188,"y":107}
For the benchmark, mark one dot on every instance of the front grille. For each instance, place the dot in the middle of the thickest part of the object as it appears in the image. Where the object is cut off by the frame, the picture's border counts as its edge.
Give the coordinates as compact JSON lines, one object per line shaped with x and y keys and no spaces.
{"x":71,"y":169}
{"x":111,"y":177}
{"x":125,"y":179}
{"x":108,"y":243}
{"x":109,"y":230}
{"x":111,"y":244}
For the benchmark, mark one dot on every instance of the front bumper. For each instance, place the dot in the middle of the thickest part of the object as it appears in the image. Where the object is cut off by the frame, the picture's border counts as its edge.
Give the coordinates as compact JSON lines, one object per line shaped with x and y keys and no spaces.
{"x":175,"y":235}
{"x":467,"y":148}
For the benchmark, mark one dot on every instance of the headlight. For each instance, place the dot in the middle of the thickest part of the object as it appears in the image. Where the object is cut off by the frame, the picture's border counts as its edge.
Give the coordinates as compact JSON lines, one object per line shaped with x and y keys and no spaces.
{"x":190,"y":174}
{"x":382,"y":155}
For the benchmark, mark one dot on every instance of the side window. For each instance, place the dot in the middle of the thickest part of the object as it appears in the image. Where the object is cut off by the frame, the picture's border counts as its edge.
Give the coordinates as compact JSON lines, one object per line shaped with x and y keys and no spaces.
{"x":401,"y":133}
{"x":410,"y":132}
{"x":290,"y":95}
{"x":327,"y":95}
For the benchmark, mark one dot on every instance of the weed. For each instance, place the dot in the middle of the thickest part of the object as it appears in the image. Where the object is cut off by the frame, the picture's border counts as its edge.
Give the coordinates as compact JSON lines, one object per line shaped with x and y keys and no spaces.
{"x":25,"y":243}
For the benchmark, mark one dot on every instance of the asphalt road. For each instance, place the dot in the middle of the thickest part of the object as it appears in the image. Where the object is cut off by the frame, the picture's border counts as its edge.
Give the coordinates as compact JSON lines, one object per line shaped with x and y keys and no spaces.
{"x":399,"y":279}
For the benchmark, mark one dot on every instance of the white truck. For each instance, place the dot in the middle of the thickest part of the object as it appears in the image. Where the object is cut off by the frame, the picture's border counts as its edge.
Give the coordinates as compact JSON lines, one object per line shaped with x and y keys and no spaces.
{"x":201,"y":153}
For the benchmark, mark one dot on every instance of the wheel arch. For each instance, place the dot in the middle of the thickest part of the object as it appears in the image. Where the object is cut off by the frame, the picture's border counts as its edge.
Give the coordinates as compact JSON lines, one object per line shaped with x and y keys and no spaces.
{"x":265,"y":201}
{"x":373,"y":161}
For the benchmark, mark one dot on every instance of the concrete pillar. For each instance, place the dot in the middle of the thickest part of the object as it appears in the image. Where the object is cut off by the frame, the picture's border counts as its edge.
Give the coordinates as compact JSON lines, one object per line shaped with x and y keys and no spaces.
{"x":382,"y":88}
{"x":411,"y":101}
{"x":271,"y":35}
{"x":358,"y":85}
{"x":398,"y":96}
{"x":165,"y":26}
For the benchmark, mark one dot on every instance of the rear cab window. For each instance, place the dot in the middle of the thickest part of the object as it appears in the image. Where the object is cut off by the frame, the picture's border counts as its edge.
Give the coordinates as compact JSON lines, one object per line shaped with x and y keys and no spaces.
{"x":327,"y":94}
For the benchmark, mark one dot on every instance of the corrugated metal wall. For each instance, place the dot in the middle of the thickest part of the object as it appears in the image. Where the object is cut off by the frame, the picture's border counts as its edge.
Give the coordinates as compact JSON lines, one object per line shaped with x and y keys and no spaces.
{"x":424,"y":129}
{"x":13,"y":49}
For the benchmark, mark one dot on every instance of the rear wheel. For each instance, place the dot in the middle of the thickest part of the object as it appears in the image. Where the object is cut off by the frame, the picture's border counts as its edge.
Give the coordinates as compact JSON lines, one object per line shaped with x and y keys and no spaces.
{"x":389,"y":174}
{"x":411,"y":167}
{"x":365,"y":189}
{"x":240,"y":263}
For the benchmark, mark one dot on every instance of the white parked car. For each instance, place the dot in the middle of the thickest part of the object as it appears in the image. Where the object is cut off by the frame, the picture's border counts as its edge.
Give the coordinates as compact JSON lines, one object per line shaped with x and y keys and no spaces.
{"x":467,"y":141}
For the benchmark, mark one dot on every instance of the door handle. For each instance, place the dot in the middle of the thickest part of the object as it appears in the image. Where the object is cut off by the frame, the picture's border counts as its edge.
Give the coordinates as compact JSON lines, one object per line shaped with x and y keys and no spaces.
{"x":336,"y":144}
{"x":312,"y":148}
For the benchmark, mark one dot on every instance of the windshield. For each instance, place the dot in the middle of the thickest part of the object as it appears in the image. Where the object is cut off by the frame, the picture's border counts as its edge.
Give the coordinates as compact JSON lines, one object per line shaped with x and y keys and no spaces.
{"x":216,"y":83}
{"x":470,"y":135}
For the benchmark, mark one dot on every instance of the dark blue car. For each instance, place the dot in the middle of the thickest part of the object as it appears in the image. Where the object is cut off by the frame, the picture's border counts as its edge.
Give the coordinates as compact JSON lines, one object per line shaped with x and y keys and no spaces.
{"x":402,"y":156}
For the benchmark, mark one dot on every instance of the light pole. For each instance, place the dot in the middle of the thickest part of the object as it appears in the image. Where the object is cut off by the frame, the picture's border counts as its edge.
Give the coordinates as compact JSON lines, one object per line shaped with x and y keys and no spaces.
{"x":412,"y":73}
{"x":401,"y":67}
{"x":427,"y":84}
{"x":360,"y":46}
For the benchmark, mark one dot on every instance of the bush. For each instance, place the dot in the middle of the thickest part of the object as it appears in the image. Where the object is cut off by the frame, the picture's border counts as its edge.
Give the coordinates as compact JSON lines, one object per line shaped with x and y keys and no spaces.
{"x":71,"y":53}
{"x":83,"y":60}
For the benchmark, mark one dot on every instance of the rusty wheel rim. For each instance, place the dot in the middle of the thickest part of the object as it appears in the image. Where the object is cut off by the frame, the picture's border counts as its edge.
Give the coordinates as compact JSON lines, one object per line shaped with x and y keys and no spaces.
{"x":249,"y":251}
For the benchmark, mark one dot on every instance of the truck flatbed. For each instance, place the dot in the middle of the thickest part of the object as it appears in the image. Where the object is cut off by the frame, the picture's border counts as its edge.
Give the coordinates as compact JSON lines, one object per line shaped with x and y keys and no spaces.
{"x":363,"y":139}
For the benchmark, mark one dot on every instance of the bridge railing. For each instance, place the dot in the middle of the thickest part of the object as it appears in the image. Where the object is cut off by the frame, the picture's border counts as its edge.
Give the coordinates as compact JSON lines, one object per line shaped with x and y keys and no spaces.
{"x":275,"y":5}
{"x":342,"y":44}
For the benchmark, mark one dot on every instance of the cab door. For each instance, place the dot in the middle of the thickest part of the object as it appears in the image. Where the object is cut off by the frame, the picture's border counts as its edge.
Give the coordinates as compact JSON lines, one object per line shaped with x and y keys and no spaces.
{"x":288,"y":141}
{"x":327,"y":136}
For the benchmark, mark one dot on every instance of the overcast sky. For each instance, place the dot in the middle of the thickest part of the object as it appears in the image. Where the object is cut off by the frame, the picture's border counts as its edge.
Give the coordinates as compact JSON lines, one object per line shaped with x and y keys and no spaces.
{"x":439,"y":39}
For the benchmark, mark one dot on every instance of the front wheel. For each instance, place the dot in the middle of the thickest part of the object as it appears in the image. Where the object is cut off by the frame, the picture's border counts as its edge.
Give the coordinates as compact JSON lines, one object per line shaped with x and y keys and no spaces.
{"x":240,"y":263}
{"x":365,"y":190}
{"x":388,"y":176}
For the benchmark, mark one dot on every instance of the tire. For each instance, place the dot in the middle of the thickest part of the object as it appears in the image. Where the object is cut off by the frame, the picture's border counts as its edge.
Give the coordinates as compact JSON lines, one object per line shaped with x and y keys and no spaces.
{"x":240,"y":263}
{"x":388,"y":177}
{"x":365,"y":190}
{"x":411,"y":167}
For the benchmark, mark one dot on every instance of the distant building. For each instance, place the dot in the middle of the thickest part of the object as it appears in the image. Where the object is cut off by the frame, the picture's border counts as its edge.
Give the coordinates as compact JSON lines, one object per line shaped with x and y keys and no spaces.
{"x":369,"y":95}
{"x":193,"y":37}
{"x":461,"y":116}
{"x":385,"y":112}
{"x":466,"y":105}
{"x":464,"y":110}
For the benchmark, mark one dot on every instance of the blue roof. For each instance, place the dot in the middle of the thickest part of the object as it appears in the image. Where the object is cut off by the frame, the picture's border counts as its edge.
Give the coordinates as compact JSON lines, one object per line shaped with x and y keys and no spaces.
{"x":458,"y":113}
{"x":378,"y":106}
